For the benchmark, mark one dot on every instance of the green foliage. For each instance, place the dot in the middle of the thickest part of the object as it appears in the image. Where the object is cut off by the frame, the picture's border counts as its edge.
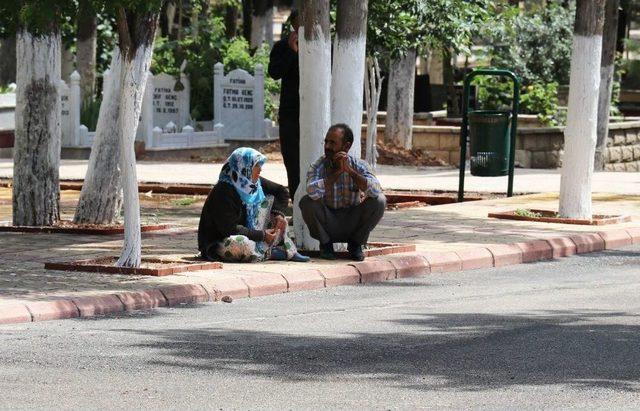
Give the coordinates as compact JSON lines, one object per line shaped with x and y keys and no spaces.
{"x":40,"y":17}
{"x":523,"y":212}
{"x":238,"y":56}
{"x":538,"y":98}
{"x":89,"y":112}
{"x":201,"y":52}
{"x":535,"y":44}
{"x":183,"y":202}
{"x":394,"y":26}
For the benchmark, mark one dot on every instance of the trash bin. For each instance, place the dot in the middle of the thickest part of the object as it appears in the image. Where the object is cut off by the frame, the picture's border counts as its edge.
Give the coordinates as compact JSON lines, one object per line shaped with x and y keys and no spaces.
{"x":490,"y":142}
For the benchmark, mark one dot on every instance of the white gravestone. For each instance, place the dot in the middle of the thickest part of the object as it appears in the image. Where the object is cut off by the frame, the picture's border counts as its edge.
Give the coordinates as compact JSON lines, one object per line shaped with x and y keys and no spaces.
{"x":163,"y":104}
{"x":70,"y":110}
{"x":238,"y":103}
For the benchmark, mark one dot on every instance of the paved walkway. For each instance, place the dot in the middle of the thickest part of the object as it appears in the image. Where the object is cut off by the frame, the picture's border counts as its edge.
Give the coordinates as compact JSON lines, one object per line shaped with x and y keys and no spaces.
{"x":448,"y":238}
{"x":391,"y":177}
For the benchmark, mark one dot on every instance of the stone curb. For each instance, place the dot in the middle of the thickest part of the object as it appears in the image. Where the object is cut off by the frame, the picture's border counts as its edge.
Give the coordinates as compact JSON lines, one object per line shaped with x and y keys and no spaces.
{"x":382,"y":269}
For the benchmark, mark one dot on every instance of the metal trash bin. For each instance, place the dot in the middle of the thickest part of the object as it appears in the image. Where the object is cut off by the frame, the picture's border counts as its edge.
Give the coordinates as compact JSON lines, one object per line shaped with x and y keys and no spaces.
{"x":490,"y":142}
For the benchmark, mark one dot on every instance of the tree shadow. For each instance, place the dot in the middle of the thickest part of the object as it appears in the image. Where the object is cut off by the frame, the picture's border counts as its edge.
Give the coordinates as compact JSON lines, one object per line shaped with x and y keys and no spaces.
{"x":462,"y":351}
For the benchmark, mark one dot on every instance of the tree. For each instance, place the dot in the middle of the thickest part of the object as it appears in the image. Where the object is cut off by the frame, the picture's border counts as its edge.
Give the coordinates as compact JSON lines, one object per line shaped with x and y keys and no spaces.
{"x":101,"y":195}
{"x":315,"y":101}
{"x":347,"y":75}
{"x":399,"y":30}
{"x":607,"y":66}
{"x":8,"y":61}
{"x":87,"y":35}
{"x":261,"y":17}
{"x":36,"y":191}
{"x":580,"y":132}
{"x":136,"y":22}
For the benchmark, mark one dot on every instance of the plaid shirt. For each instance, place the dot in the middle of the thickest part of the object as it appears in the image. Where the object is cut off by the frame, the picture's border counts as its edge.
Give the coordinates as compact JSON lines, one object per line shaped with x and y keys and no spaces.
{"x":345,"y":191}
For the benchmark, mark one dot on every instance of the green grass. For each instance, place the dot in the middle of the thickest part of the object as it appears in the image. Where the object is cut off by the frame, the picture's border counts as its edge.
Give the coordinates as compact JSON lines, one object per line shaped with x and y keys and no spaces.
{"x":183,"y":202}
{"x":523,"y":212}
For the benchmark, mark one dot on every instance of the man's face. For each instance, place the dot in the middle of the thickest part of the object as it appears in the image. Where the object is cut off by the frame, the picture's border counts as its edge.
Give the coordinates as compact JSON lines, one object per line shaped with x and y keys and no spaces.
{"x":333,"y":143}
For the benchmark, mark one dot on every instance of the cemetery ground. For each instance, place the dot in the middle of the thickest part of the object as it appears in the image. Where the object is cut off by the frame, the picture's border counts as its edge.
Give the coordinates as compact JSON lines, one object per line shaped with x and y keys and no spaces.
{"x":448,"y":238}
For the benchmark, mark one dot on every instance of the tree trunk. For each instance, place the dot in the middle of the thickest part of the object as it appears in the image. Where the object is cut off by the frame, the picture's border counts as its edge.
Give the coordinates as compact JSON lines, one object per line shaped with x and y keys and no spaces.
{"x":36,"y":186}
{"x":101,"y":196}
{"x":258,"y":19}
{"x":402,"y":77}
{"x":315,"y":100}
{"x":607,"y":68}
{"x":347,"y":76}
{"x":136,"y":34}
{"x":580,"y":133}
{"x":8,"y":60}
{"x":247,"y":7}
{"x":230,"y":21}
{"x":373,"y":90}
{"x":87,"y":35}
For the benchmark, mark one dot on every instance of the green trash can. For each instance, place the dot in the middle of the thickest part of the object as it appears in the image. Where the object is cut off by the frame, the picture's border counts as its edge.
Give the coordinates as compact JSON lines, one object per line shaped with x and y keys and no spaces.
{"x":490,"y":142}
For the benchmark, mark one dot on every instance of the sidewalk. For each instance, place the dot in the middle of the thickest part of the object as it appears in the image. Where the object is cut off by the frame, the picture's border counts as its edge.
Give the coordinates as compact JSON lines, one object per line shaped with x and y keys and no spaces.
{"x":449,"y":238}
{"x":391,"y":177}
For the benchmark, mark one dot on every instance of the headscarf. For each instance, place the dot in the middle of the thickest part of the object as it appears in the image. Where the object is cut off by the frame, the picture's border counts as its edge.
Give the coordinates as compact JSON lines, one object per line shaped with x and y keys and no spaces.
{"x":237,"y":172}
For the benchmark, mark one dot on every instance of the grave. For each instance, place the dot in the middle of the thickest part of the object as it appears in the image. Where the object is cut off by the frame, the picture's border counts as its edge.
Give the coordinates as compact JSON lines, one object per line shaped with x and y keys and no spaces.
{"x":238,"y":104}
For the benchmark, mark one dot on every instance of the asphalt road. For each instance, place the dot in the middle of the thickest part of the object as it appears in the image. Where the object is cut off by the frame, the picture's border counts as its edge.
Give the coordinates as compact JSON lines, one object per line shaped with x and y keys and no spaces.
{"x":555,"y":335}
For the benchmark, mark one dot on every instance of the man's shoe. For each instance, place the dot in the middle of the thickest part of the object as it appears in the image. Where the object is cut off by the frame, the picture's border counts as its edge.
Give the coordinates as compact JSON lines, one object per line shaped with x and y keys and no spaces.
{"x":355,"y":251}
{"x":326,"y":251}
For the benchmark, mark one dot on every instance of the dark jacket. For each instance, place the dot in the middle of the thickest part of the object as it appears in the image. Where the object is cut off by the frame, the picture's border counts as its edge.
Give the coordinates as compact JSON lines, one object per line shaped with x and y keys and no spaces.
{"x":283,"y":64}
{"x":224,"y":214}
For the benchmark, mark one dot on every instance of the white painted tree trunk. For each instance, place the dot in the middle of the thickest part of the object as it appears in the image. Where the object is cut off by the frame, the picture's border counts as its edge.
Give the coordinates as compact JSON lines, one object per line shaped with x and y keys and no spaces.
{"x":373,"y":90}
{"x":257,"y":30}
{"x":399,"y":122}
{"x":580,"y":133}
{"x":36,"y":186}
{"x":607,"y":69}
{"x":101,"y":196}
{"x":133,"y":79}
{"x":347,"y":75}
{"x":315,"y":101}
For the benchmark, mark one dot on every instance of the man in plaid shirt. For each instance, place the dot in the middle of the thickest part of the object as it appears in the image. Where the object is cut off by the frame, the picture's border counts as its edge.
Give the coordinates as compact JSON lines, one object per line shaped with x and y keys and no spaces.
{"x":344,"y":200}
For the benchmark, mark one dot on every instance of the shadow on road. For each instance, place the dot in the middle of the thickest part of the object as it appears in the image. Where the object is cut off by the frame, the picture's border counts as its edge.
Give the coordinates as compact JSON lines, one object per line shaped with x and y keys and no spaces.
{"x":462,"y":351}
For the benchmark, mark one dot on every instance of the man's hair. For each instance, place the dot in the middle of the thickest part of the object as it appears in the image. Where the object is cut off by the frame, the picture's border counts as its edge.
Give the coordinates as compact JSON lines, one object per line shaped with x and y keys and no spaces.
{"x":347,"y":133}
{"x":294,"y":14}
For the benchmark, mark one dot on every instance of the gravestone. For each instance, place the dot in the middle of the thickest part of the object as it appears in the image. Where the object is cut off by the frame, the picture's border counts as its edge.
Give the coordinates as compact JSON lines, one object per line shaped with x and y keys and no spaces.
{"x":166,"y":100}
{"x":238,"y":103}
{"x":169,"y":104}
{"x":70,"y":110}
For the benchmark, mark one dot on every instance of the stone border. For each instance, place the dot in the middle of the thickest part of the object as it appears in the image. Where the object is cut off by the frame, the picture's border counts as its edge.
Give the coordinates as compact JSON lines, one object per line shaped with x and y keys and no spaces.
{"x":596,"y":220}
{"x":390,"y":268}
{"x":81,"y":230}
{"x":99,"y":265}
{"x":378,"y":249}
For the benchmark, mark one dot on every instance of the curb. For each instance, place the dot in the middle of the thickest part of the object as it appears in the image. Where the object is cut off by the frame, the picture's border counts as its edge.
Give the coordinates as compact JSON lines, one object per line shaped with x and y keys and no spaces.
{"x":387,"y":268}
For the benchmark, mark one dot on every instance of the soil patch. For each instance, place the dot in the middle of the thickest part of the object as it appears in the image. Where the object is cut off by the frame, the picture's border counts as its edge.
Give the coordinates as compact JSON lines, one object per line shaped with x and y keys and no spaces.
{"x":548,"y":216}
{"x":372,"y":250}
{"x":388,"y":154}
{"x":149,"y":266}
{"x":68,"y":227}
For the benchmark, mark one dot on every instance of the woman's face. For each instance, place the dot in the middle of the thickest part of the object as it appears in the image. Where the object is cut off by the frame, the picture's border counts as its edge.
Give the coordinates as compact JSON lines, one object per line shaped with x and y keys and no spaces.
{"x":255,"y":173}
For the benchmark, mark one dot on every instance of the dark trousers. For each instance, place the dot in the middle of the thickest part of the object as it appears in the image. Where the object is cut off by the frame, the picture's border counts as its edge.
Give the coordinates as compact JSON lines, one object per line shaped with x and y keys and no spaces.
{"x":290,"y":148}
{"x":342,"y":225}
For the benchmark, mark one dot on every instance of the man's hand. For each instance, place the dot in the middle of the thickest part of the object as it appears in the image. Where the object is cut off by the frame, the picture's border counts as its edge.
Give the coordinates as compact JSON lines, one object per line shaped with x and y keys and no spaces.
{"x":270,"y":235}
{"x":293,"y":41}
{"x":280,"y":223}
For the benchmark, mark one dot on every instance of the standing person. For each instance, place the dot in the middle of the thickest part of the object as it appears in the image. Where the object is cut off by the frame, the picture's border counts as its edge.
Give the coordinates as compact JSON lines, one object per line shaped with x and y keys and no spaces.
{"x":344,"y":200}
{"x":283,"y":64}
{"x":242,"y":219}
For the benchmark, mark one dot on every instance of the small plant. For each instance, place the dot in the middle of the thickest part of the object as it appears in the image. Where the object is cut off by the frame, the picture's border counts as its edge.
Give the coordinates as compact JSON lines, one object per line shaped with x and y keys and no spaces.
{"x":183,"y":202}
{"x":523,"y":212}
{"x":89,"y":113}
